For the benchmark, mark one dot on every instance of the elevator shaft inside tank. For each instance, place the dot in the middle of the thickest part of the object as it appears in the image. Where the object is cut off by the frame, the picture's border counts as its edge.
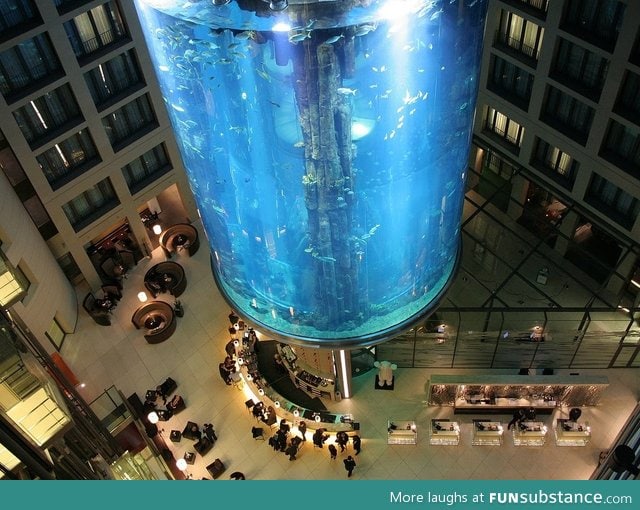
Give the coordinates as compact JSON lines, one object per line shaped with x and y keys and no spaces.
{"x":326,"y":144}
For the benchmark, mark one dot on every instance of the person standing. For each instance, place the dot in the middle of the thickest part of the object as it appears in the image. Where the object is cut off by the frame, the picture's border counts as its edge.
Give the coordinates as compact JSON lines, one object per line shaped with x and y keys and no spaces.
{"x":342,"y":439}
{"x":356,"y":443}
{"x":349,"y":465}
{"x":333,"y":451}
{"x":302,"y":428}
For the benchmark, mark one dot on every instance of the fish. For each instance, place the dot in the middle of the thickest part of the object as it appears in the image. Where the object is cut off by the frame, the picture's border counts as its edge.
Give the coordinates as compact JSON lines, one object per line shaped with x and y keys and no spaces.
{"x":247,"y":34}
{"x":435,"y":15}
{"x":298,"y":145}
{"x":297,"y":37}
{"x":364,"y":29}
{"x":264,"y":75}
{"x":163,"y":68}
{"x":177,"y":108}
{"x":373,"y":229}
{"x":326,"y":259}
{"x":333,"y":39}
{"x":345,"y":91}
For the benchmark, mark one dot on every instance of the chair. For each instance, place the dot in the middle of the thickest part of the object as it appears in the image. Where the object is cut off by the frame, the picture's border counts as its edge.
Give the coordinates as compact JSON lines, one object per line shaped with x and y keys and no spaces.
{"x":257,"y":433}
{"x":216,"y":468}
{"x":249,"y":404}
{"x":202,"y":446}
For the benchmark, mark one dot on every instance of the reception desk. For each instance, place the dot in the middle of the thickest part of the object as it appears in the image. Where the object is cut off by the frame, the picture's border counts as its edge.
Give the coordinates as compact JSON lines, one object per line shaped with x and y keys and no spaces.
{"x":402,"y":432}
{"x":487,"y":433}
{"x":529,"y":433}
{"x":258,"y":389}
{"x":571,"y":433}
{"x":444,"y":433}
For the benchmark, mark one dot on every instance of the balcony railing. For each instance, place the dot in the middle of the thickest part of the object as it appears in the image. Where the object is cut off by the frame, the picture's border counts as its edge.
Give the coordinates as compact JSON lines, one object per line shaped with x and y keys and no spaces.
{"x":100,"y":41}
{"x":515,"y":44}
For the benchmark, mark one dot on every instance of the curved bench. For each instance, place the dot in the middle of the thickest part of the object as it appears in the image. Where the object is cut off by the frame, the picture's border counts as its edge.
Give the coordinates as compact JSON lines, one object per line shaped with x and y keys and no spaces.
{"x":180,"y":237}
{"x":166,"y":277}
{"x":157,"y":318}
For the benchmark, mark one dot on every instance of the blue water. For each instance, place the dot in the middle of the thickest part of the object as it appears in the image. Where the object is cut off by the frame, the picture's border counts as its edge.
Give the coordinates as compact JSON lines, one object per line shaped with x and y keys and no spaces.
{"x":327,"y":156}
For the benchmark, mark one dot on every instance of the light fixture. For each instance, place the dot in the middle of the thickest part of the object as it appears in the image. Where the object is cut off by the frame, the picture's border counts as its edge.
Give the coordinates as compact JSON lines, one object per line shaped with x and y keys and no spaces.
{"x":157,"y":229}
{"x":278,"y":5}
{"x":261,"y":392}
{"x":153,"y":417}
{"x":181,"y":464}
{"x":240,"y":361}
{"x":236,"y":343}
{"x":317,"y":418}
{"x":142,"y":297}
{"x":249,"y":377}
{"x":277,"y":404}
{"x":296,"y":413}
{"x":345,"y":383}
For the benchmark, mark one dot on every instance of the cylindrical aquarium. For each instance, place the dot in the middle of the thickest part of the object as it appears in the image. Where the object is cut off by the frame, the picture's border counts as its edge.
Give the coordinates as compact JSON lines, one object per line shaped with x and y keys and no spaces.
{"x":326,"y":143}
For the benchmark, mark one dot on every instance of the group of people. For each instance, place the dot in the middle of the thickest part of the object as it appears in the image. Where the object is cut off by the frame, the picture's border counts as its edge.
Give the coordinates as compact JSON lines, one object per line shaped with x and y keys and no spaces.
{"x":280,"y":442}
{"x":227,"y":369}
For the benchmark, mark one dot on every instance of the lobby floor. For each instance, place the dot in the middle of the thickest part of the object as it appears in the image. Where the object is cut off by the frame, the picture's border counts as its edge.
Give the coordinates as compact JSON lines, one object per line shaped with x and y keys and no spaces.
{"x":119,"y":356}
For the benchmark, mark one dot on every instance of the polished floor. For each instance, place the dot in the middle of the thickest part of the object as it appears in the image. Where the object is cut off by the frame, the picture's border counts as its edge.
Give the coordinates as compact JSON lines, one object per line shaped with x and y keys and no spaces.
{"x":119,"y":356}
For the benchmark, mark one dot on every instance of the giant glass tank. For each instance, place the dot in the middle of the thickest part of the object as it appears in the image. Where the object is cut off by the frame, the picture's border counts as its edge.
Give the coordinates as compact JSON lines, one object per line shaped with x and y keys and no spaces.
{"x":326,"y":143}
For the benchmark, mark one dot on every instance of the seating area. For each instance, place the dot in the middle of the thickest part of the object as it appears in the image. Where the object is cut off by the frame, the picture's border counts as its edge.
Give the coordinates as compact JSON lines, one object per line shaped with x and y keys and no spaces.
{"x":98,"y":313}
{"x":181,"y":237}
{"x":157,"y":318}
{"x":165,"y":277}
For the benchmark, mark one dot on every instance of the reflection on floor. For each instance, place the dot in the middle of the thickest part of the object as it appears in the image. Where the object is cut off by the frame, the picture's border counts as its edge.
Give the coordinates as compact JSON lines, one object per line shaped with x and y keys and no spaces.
{"x":119,"y":355}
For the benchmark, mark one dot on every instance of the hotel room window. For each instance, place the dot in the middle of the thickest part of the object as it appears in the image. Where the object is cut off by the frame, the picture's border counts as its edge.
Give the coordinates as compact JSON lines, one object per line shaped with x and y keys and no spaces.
{"x":595,"y":21}
{"x":145,"y":169}
{"x":580,"y":69}
{"x":91,"y":205}
{"x":114,"y":79}
{"x":567,"y":115}
{"x":93,"y":30}
{"x":510,"y":82}
{"x":555,"y":163}
{"x":27,"y":66}
{"x":68,"y":159}
{"x":129,"y":122}
{"x":17,"y":14}
{"x":621,"y":146}
{"x":13,"y":282}
{"x":517,"y":35}
{"x":628,"y":101}
{"x":43,"y":118}
{"x":504,"y":129}
{"x":612,"y":201}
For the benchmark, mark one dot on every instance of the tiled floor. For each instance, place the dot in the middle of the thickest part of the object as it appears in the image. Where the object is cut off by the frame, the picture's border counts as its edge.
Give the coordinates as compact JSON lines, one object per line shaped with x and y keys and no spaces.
{"x":118,"y":355}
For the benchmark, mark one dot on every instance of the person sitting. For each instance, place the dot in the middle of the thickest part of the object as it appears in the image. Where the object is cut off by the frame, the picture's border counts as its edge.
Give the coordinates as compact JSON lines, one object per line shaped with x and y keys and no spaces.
{"x":195,"y":432}
{"x":209,"y":432}
{"x":291,"y":451}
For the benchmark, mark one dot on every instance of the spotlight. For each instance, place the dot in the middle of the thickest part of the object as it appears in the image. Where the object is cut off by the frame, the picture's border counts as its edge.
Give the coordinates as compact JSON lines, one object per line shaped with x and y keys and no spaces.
{"x":278,"y":5}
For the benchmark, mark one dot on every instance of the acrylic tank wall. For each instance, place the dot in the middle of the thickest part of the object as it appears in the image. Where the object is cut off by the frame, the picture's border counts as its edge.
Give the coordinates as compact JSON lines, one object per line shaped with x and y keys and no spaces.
{"x":326,"y":143}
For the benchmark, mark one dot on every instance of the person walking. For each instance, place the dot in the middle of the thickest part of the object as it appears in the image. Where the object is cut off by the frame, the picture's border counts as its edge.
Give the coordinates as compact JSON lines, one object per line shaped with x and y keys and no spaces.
{"x":349,"y":465}
{"x":333,"y":451}
{"x":518,"y":415}
{"x":356,"y":443}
